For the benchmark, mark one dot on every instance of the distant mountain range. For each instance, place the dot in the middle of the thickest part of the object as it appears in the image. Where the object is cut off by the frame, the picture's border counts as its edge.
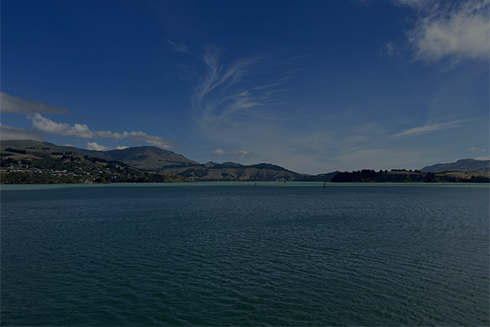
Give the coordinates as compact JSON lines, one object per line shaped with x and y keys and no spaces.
{"x":460,"y":165}
{"x":168,"y":162}
{"x":150,"y":158}
{"x":163,"y":161}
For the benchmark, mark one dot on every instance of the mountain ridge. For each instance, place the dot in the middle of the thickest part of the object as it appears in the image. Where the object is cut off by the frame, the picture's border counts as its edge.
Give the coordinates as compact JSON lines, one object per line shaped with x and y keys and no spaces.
{"x":151,"y":158}
{"x":141,"y":157}
{"x":164,"y":161}
{"x":35,"y":162}
{"x":460,"y":165}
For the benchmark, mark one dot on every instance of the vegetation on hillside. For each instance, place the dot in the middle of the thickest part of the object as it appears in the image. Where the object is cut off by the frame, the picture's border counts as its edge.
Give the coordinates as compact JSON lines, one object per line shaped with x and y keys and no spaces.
{"x":460,"y":165}
{"x":18,"y":167}
{"x":404,"y":176}
{"x":23,"y":160}
{"x":238,"y":172}
{"x":141,"y":157}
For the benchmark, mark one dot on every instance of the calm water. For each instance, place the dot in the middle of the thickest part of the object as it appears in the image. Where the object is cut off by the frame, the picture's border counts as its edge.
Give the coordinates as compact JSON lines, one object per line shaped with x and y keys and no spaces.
{"x":235,"y":254}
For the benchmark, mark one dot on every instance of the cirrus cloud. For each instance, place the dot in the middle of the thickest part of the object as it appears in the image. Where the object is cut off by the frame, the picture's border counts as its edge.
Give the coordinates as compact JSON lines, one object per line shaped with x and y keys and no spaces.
{"x":432,"y":127}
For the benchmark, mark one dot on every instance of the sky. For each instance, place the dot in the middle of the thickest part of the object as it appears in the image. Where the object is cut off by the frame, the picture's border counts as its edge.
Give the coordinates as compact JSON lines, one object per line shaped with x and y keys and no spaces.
{"x":312,"y":86}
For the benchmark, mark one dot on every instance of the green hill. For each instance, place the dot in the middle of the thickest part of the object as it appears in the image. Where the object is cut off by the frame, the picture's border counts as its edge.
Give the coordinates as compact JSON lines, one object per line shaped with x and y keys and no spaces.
{"x":31,"y":146}
{"x":238,"y":172}
{"x":32,"y":162}
{"x":404,"y":176}
{"x":151,"y":158}
{"x":141,"y":157}
{"x":460,"y":165}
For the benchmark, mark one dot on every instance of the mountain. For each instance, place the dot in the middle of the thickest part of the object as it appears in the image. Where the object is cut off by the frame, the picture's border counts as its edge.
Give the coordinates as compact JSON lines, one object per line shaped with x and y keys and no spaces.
{"x":155,"y":159}
{"x":141,"y":157}
{"x":32,"y":162}
{"x":460,"y":165}
{"x":31,"y":146}
{"x":236,"y":172}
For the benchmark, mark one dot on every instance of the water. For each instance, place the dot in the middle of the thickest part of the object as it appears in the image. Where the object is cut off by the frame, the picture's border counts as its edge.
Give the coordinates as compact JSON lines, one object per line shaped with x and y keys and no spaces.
{"x":234,"y":254}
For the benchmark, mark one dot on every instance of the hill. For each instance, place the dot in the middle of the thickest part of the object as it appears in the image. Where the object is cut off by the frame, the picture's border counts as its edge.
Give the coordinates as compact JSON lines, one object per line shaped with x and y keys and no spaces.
{"x":151,"y":158}
{"x":404,"y":176}
{"x":32,"y":162}
{"x":460,"y":165}
{"x":237,"y":172}
{"x":141,"y":157}
{"x":30,"y":146}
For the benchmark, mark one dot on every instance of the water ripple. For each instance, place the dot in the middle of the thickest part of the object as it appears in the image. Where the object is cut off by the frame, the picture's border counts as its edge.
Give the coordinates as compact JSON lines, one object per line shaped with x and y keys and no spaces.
{"x":237,"y":255}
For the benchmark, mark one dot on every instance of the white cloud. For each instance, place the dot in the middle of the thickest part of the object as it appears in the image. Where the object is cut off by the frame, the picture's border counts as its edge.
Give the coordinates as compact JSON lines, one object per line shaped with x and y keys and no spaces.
{"x":431,"y":128}
{"x":82,"y":131}
{"x":11,"y":104}
{"x":239,"y":154}
{"x":475,"y":150}
{"x":482,"y":158}
{"x":15,"y":133}
{"x":452,"y":32}
{"x":96,"y":147}
{"x":99,"y":147}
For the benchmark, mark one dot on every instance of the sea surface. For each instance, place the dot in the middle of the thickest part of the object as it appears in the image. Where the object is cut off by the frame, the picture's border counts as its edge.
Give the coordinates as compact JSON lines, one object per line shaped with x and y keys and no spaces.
{"x":236,"y":254}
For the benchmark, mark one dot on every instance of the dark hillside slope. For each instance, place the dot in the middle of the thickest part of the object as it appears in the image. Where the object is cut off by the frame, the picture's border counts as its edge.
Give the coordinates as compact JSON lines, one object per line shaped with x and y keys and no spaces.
{"x":141,"y":157}
{"x":460,"y":165}
{"x":31,"y":146}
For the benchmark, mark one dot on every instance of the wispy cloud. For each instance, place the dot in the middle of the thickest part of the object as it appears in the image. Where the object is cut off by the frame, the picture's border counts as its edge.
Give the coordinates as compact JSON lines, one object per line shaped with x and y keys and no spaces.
{"x":218,"y":95}
{"x":12,"y":104}
{"x":390,"y":49}
{"x":15,"y":133}
{"x":178,"y":47}
{"x":475,"y":150}
{"x":431,"y":128}
{"x":217,"y":75}
{"x":449,"y":32}
{"x":82,"y":131}
{"x":239,"y":154}
{"x":271,"y":85}
{"x":414,"y":3}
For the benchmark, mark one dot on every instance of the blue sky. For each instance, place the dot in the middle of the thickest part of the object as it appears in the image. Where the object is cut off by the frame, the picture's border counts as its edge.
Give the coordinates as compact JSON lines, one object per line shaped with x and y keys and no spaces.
{"x":313,"y":86}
